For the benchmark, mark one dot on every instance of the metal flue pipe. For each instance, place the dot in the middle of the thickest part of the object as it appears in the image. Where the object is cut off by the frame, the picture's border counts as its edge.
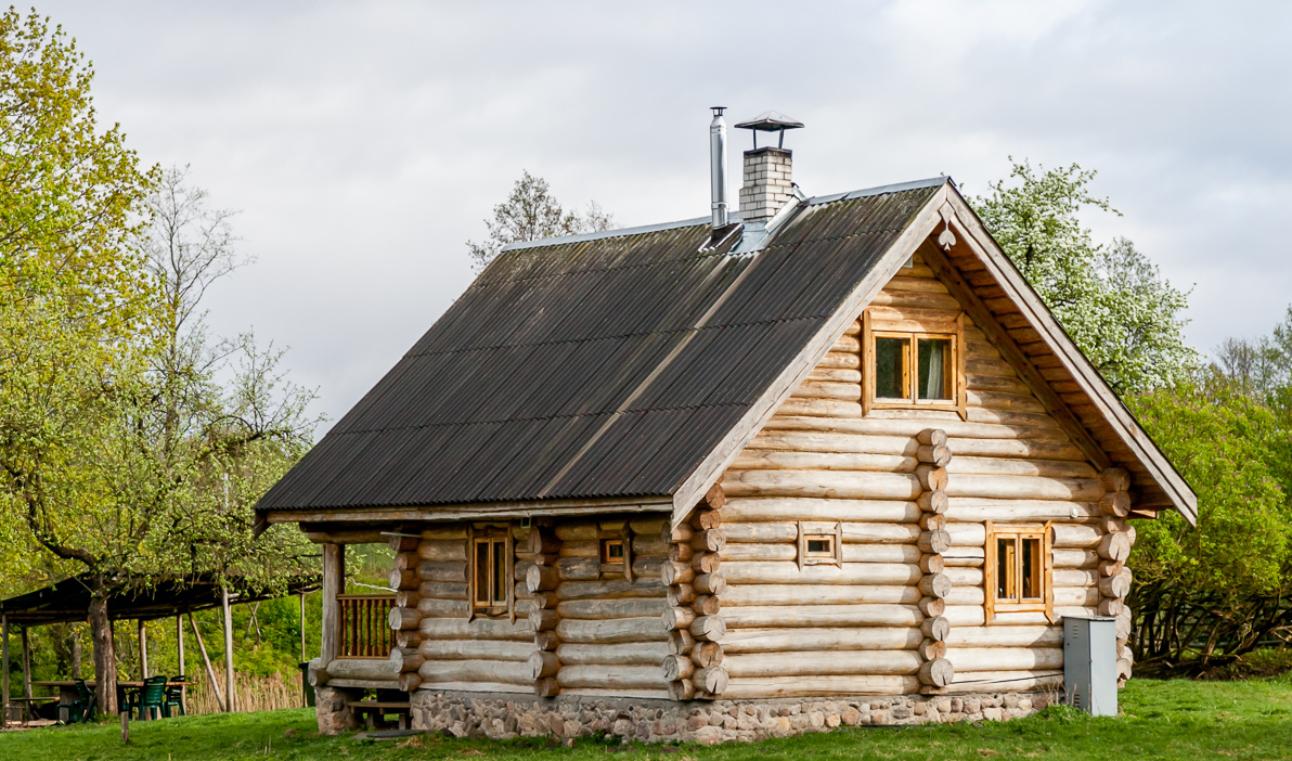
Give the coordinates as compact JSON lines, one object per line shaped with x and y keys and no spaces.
{"x":718,"y":167}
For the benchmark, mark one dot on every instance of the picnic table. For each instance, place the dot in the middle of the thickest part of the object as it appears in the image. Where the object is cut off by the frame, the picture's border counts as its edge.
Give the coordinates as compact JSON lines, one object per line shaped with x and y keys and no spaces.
{"x":67,"y":691}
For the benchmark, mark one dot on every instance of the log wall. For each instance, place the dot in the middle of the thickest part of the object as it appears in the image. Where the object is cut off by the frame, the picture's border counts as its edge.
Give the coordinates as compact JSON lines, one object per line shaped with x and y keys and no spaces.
{"x":911,"y":492}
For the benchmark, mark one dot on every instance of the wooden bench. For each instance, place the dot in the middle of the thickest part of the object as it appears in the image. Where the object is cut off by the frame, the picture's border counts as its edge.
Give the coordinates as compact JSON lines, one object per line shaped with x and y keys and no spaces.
{"x":371,"y":712}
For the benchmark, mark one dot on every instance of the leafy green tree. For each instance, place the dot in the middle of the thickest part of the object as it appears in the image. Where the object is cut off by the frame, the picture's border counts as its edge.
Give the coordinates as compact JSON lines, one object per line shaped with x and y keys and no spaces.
{"x":1110,"y":298}
{"x":73,"y":298}
{"x":1215,"y":592}
{"x":531,"y":212}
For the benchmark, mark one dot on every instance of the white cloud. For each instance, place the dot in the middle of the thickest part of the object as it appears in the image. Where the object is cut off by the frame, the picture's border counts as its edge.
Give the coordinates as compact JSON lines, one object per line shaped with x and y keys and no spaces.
{"x":364,"y":142}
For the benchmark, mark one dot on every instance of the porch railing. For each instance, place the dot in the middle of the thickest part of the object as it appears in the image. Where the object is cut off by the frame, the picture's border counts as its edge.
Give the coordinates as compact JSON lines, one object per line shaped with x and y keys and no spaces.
{"x":365,"y":626}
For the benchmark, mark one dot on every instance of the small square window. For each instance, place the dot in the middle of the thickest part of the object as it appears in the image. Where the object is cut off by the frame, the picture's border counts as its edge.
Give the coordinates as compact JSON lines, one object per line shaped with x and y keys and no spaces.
{"x":612,"y":551}
{"x":820,"y":546}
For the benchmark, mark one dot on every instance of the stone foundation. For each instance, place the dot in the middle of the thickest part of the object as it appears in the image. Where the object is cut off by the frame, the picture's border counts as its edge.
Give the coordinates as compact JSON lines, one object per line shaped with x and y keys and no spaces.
{"x":500,"y":717}
{"x":331,"y":711}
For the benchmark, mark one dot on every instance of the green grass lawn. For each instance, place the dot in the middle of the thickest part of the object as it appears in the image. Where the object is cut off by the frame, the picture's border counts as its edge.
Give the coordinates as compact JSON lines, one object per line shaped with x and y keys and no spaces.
{"x":1162,"y":719}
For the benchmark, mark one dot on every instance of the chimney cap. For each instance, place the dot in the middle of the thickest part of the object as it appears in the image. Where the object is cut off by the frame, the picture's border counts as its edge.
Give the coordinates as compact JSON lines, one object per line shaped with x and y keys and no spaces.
{"x":771,"y":121}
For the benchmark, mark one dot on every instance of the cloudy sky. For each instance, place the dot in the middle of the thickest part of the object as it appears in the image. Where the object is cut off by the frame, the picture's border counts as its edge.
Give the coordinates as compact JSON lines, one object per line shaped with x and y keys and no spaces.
{"x":363,"y":143}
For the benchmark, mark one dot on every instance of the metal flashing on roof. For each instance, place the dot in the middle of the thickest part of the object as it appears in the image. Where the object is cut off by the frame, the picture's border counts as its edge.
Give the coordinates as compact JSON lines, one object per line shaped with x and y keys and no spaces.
{"x":755,"y":235}
{"x":896,"y":187}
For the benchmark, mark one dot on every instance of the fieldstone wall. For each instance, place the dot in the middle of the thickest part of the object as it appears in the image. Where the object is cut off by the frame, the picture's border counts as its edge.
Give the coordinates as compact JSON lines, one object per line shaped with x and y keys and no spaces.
{"x":331,"y":711}
{"x":708,"y":722}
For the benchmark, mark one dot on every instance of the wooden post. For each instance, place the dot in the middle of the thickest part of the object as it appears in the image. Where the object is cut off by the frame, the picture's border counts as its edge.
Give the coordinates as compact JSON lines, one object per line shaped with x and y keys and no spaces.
{"x":231,"y":704}
{"x":206,"y":660}
{"x":143,"y":649}
{"x":26,"y":674}
{"x":4,"y":678}
{"x":333,"y":585}
{"x":302,"y":596}
{"x":179,"y":645}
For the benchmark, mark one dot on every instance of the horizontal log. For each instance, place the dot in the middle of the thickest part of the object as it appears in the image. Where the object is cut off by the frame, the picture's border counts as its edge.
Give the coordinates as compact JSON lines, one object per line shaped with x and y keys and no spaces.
{"x":403,"y":578}
{"x":808,"y":662}
{"x":607,"y":589}
{"x":709,"y":583}
{"x":1063,"y":557}
{"x":1075,"y":536}
{"x":819,"y":686}
{"x":970,"y":659}
{"x":578,"y":569}
{"x":376,"y":669}
{"x":842,"y":638}
{"x":976,"y":509}
{"x":754,"y":509}
{"x":519,"y":688}
{"x":442,"y":533}
{"x":468,"y":649}
{"x":821,"y":484}
{"x":911,"y":427}
{"x":432,"y":607}
{"x":541,"y":620}
{"x":1075,"y":577}
{"x":966,"y":534}
{"x":1116,"y":504}
{"x":807,"y":441}
{"x":1027,"y":449}
{"x":1069,"y":596}
{"x":851,"y":573}
{"x":612,"y":631}
{"x":481,"y":628}
{"x":752,"y":617}
{"x":430,"y":549}
{"x":442,"y":571}
{"x":630,"y":607}
{"x":937,"y":456}
{"x":828,"y":594}
{"x":934,"y":541}
{"x":1006,"y":636}
{"x":610,"y":677}
{"x":965,"y":577}
{"x":767,"y":460}
{"x":508,"y":672}
{"x":444,"y":590}
{"x":633,"y":654}
{"x":1005,"y":681}
{"x":1024,"y":487}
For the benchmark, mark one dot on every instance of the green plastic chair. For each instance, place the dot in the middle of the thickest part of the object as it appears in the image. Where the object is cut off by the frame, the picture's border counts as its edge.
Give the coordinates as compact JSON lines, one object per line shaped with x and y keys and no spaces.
{"x":174,"y":697}
{"x":82,"y":707}
{"x":152,"y":698}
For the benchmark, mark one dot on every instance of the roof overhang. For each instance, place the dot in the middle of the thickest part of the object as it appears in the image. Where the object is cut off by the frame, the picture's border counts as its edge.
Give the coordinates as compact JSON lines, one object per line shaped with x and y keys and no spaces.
{"x":470,"y":511}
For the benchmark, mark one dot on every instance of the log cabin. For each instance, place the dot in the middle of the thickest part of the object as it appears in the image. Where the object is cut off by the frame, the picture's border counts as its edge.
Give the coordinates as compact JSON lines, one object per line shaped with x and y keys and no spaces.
{"x":826,"y":460}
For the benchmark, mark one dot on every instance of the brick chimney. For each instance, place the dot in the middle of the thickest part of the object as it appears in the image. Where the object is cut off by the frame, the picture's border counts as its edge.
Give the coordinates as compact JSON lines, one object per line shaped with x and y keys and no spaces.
{"x":768,"y":172}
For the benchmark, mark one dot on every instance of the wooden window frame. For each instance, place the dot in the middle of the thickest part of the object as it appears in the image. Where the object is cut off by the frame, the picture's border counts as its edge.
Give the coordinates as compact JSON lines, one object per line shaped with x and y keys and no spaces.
{"x":624,"y":537}
{"x":873,"y":329}
{"x":832,"y":532}
{"x":992,"y":604}
{"x":497,"y":538}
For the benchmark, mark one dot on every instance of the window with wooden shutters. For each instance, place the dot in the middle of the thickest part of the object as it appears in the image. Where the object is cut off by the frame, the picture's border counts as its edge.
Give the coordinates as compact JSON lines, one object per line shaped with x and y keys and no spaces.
{"x":490,"y":573}
{"x":1017,"y":569}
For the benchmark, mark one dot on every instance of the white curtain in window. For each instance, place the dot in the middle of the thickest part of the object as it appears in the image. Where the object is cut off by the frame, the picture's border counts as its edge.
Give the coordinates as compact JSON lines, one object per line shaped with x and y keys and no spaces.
{"x":933,"y":381}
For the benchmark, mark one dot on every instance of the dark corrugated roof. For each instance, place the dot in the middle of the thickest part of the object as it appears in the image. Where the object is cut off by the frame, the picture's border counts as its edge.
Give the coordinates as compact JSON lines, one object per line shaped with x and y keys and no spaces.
{"x":600,"y":367}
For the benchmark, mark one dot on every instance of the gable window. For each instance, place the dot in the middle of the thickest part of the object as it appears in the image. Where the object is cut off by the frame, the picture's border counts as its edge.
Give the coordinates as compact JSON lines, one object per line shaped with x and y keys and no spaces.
{"x":911,"y":369}
{"x":490,"y":574}
{"x":820,"y":543}
{"x":1017,"y":569}
{"x":612,"y":551}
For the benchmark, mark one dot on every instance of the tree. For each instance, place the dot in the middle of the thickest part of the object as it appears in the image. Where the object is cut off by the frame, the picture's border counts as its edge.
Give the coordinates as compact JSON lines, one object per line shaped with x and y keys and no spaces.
{"x":1209,"y":594}
{"x":531,"y":212}
{"x":73,"y":299}
{"x":1111,"y":299}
